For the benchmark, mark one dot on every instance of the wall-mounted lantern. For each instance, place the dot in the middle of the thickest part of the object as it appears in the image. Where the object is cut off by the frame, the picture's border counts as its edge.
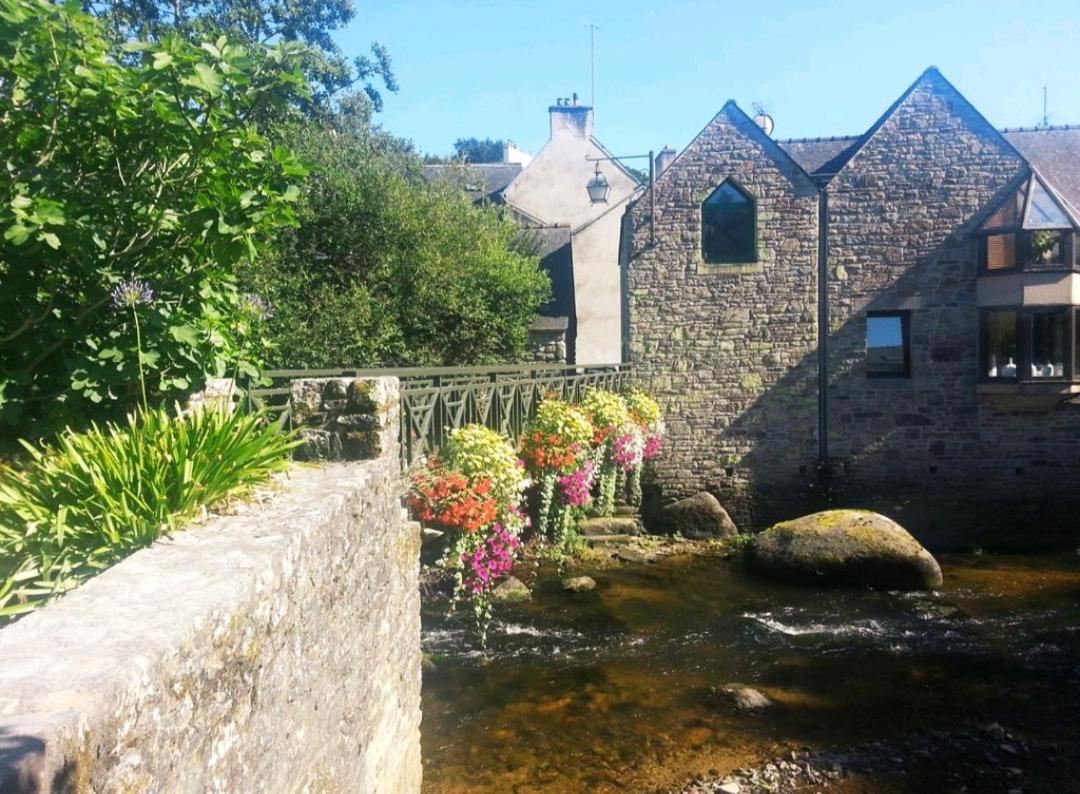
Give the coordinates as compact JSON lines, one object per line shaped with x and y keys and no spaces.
{"x":598,"y":187}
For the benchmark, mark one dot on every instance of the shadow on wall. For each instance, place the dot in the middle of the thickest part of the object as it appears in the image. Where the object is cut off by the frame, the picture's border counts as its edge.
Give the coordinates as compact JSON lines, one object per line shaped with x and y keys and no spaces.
{"x":957,"y":469}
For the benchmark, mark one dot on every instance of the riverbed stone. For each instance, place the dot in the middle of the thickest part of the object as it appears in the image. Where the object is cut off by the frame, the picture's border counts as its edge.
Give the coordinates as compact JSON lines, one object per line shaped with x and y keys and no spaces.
{"x":511,"y":590}
{"x":699,"y":517}
{"x":579,"y":584}
{"x":744,"y":698}
{"x":610,"y":525}
{"x":844,"y":547}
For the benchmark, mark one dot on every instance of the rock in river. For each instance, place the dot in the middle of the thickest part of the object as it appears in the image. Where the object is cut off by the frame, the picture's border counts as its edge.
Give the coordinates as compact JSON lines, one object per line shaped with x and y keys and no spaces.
{"x":844,"y":547}
{"x":579,"y":584}
{"x":699,"y":517}
{"x":511,"y":590}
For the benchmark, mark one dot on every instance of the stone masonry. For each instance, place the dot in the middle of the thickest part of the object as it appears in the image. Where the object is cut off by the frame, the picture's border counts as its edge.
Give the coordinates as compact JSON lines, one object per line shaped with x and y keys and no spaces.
{"x":275,"y":650}
{"x":731,"y":350}
{"x":728,"y":349}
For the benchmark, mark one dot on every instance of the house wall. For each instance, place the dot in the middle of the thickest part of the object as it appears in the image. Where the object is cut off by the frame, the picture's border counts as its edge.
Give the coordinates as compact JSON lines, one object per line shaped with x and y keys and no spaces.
{"x":552,"y":189}
{"x":929,"y":449}
{"x":728,"y":349}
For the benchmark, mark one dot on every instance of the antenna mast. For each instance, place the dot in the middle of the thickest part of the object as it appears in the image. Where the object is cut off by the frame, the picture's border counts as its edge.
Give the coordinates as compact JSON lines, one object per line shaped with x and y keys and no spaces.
{"x":1046,"y":118}
{"x":592,"y":63}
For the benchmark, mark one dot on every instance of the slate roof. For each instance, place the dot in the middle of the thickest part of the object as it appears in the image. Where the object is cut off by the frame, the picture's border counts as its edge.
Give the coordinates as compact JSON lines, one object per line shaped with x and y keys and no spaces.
{"x":1055,"y":153}
{"x":481,"y":180}
{"x":820,"y":155}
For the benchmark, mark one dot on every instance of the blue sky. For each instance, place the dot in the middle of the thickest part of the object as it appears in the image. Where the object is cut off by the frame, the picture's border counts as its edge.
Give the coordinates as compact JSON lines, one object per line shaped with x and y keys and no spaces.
{"x":821,"y":67}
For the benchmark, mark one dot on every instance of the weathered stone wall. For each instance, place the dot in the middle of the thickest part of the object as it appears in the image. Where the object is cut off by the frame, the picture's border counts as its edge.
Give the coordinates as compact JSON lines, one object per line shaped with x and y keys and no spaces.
{"x":276,"y":650}
{"x":928,"y":448}
{"x":728,"y":349}
{"x":547,"y":339}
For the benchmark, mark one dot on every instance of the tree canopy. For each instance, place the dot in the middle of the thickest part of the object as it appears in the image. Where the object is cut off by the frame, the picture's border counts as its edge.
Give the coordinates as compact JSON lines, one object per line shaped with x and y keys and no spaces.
{"x":260,"y":22}
{"x":474,"y":150}
{"x":386,"y":270}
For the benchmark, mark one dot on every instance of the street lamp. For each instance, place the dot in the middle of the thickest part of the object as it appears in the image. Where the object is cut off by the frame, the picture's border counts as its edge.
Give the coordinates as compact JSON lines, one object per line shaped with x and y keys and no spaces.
{"x":598,"y":187}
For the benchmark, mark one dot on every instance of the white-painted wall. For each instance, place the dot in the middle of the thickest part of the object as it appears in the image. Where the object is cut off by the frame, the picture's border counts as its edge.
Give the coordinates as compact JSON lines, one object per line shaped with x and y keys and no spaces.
{"x":552,"y":189}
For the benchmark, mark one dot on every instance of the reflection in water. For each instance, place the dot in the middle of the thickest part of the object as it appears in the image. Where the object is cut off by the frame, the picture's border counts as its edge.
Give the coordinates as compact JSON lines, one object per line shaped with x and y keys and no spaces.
{"x":613,"y":690}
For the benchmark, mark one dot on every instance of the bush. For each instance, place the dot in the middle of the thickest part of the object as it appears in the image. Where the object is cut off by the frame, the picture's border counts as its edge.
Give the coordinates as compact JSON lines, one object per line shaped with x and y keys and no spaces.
{"x":384,"y":270}
{"x":123,"y":166}
{"x":82,"y":504}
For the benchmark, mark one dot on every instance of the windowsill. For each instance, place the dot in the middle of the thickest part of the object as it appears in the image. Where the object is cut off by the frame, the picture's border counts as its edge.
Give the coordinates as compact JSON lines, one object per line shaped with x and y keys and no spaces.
{"x":728,"y":268}
{"x":1034,"y":388}
{"x":1013,"y":271}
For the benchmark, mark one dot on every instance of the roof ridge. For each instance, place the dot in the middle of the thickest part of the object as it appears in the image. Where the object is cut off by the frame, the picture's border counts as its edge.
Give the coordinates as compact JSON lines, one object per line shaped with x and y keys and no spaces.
{"x":1039,"y":128}
{"x":823,"y":139}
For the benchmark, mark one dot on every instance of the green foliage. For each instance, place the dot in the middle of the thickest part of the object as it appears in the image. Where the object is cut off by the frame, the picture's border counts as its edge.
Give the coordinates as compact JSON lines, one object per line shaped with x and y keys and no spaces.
{"x":80,"y":505}
{"x":256,"y":22}
{"x":474,"y":150}
{"x":145,"y":169}
{"x":386,"y":271}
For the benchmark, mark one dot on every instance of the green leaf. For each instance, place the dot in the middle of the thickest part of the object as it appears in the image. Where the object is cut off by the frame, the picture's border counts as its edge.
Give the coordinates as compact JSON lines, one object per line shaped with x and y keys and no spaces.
{"x":17,"y":234}
{"x":162,"y":60}
{"x":185,"y":334}
{"x":50,"y":239}
{"x":206,"y":78}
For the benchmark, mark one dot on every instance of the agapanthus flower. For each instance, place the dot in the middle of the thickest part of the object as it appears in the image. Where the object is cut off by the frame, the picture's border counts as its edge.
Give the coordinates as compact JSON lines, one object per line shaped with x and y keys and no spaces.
{"x":257,"y":306}
{"x":131,"y":293}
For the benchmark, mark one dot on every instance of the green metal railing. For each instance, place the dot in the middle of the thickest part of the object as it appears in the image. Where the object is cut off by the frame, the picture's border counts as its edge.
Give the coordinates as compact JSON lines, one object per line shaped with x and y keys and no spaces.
{"x":435,"y":400}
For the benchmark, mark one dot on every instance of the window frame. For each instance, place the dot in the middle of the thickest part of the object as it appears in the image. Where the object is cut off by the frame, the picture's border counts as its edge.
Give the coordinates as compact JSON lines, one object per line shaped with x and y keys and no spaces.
{"x":753,"y":257}
{"x":904,"y":316}
{"x":1070,"y":251}
{"x":1025,"y":343}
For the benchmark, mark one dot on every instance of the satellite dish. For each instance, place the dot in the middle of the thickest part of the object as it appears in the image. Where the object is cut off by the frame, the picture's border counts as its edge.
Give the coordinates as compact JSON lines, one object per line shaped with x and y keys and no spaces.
{"x":765,"y":121}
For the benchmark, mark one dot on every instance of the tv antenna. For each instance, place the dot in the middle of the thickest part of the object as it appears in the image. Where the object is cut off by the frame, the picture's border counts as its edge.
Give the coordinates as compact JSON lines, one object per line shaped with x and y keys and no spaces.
{"x":592,"y":63}
{"x":1046,"y":116}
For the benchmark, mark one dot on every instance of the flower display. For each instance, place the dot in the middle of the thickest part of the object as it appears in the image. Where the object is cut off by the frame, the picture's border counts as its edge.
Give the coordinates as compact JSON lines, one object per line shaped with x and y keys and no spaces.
{"x":478,"y":451}
{"x":644,"y":411}
{"x":575,"y":487}
{"x":652,"y":446}
{"x":629,"y":448}
{"x":489,"y":561}
{"x":606,"y":410}
{"x":449,"y":500}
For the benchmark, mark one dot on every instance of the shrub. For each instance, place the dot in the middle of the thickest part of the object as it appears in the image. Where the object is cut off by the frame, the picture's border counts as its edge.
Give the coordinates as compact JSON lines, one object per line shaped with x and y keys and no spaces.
{"x":384,"y":270}
{"x":141,"y":165}
{"x":81,"y":504}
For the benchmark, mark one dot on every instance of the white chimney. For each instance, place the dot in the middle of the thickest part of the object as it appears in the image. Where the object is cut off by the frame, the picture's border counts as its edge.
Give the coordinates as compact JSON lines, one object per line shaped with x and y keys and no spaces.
{"x":664,"y":158}
{"x":570,"y":118}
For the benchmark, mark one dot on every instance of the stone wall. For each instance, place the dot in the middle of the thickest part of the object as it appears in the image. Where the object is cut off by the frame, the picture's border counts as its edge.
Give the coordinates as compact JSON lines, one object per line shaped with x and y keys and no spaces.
{"x":547,"y":339}
{"x":275,"y":650}
{"x":728,"y":349}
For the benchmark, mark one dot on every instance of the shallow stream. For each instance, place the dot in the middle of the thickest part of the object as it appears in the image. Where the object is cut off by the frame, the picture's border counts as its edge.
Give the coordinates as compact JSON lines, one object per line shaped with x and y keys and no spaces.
{"x":614,"y":689}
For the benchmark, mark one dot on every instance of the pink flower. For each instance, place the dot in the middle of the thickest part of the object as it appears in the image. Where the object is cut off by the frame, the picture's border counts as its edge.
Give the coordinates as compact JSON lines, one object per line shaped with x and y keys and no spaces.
{"x":575,"y":487}
{"x":652,"y":447}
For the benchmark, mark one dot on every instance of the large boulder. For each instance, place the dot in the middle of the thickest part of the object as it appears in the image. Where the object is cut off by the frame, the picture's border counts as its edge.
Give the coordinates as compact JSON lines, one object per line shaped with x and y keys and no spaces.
{"x":844,"y":547}
{"x":699,"y":517}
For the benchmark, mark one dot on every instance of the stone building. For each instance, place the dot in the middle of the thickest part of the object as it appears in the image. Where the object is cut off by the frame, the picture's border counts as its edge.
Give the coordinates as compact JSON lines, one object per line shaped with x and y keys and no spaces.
{"x":885,"y":320}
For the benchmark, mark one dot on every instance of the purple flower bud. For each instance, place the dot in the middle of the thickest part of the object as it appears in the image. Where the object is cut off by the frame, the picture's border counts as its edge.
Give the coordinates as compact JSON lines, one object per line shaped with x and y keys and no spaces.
{"x":258,"y":307}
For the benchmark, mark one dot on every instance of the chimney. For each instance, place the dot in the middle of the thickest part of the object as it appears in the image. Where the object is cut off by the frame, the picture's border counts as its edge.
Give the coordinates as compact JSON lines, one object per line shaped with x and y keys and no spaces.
{"x":570,"y":118}
{"x":663,"y":159}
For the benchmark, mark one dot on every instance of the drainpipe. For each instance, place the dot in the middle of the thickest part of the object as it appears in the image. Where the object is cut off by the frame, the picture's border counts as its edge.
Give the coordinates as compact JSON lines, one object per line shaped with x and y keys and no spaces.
{"x":823,"y":326}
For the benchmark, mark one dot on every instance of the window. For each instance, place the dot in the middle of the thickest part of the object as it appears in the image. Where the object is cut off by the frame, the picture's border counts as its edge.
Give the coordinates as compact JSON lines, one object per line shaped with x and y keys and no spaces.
{"x":888,"y":345}
{"x":1028,"y":229}
{"x":1000,"y":346}
{"x":728,"y":226}
{"x":1030,"y":344}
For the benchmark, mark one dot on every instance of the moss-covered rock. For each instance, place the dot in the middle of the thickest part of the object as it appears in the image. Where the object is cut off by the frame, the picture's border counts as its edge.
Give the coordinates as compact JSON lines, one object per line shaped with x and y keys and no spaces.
{"x":844,"y":547}
{"x":700,"y":517}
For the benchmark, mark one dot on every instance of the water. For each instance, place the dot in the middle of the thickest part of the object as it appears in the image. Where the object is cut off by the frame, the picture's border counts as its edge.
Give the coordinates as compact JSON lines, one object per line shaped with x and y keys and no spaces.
{"x":613,"y":690}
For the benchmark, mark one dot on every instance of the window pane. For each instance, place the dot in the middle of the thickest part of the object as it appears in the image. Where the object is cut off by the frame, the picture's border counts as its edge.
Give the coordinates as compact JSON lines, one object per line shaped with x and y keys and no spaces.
{"x":1043,"y":212}
{"x":1000,"y":251}
{"x":1007,"y":214}
{"x":1048,"y":344}
{"x":1047,"y":247}
{"x":727,"y":226}
{"x":1076,"y":342}
{"x":1001,"y":350}
{"x":886,"y":347}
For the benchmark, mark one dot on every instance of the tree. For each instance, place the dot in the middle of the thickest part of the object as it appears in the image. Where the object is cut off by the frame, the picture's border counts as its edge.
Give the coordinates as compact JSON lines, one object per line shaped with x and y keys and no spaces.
{"x":385,"y":270}
{"x":474,"y":150}
{"x":147,"y":174}
{"x":260,"y":22}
